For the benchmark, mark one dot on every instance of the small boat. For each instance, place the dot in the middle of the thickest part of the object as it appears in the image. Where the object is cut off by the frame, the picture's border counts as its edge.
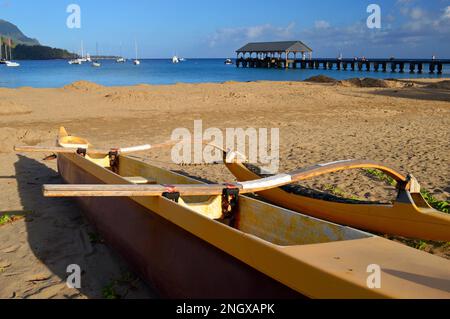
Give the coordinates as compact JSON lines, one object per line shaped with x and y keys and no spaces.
{"x":96,"y":64}
{"x":182,"y":59}
{"x":228,"y":62}
{"x":121,"y":59}
{"x":175,"y":59}
{"x":188,"y":239}
{"x":136,"y":61}
{"x":75,"y":62}
{"x":80,"y":59}
{"x":409,"y":216}
{"x":12,"y":64}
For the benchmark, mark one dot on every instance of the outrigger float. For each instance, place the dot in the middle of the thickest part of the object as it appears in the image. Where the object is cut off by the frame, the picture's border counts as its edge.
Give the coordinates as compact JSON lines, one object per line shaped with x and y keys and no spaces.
{"x":192,"y":240}
{"x":409,"y":215}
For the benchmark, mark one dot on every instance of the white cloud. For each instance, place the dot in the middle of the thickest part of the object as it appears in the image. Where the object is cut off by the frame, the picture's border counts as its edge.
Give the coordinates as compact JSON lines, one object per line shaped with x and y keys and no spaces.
{"x":321,"y":24}
{"x":446,"y":13}
{"x":417,"y":13}
{"x":413,"y":34}
{"x":264,"y":32}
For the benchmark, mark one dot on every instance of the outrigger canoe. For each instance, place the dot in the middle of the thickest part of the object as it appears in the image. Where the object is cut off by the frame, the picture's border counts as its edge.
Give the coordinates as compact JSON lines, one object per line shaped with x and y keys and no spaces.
{"x":187,"y":244}
{"x":409,"y":216}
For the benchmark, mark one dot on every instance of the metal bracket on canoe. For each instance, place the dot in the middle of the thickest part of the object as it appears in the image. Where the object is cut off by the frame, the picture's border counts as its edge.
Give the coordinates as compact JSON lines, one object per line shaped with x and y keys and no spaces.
{"x":230,"y":200}
{"x":173,"y":196}
{"x":82,"y":152}
{"x":114,"y":160}
{"x":411,"y":185}
{"x":50,"y":157}
{"x":414,"y":186}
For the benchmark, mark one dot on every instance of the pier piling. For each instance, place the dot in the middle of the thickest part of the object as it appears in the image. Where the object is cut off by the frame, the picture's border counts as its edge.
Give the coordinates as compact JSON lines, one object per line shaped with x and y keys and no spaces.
{"x":420,"y":68}
{"x":432,"y":67}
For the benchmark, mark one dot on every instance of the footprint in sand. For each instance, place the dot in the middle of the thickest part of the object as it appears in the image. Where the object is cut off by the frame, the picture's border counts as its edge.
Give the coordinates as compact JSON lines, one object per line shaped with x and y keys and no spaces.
{"x":39,"y":277}
{"x":49,"y":292}
{"x":4,"y":264}
{"x":10,"y":249}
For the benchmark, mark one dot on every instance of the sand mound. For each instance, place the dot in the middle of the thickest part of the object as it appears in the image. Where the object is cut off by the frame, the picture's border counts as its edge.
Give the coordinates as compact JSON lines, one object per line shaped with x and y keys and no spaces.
{"x":13,"y":108}
{"x":83,"y":86}
{"x":371,"y":83}
{"x":441,"y":85}
{"x":321,"y":79}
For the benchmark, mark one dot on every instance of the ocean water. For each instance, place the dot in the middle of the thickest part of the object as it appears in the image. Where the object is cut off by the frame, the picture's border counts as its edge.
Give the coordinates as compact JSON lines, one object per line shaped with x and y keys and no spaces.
{"x":57,"y":73}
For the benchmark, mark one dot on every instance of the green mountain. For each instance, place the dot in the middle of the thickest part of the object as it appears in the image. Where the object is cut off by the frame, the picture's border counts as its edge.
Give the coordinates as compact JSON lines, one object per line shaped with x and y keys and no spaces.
{"x":25,"y":48}
{"x":39,"y":52}
{"x":9,"y":30}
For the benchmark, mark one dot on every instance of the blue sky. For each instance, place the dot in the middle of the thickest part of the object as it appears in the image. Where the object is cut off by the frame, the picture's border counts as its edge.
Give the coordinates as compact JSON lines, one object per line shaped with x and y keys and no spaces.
{"x":208,"y":28}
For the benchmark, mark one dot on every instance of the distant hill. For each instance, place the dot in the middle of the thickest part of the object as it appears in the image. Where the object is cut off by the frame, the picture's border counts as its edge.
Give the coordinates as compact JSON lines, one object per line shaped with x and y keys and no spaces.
{"x":39,"y":52}
{"x":25,"y":48}
{"x":9,"y":30}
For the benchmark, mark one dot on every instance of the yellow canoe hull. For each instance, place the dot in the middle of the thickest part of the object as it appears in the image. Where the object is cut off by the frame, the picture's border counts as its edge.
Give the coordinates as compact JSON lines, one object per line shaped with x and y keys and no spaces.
{"x":186,"y":249}
{"x":311,"y":257}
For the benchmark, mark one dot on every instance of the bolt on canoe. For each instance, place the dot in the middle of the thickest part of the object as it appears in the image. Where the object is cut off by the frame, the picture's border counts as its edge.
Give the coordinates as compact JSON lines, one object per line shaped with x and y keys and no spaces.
{"x":409,"y":216}
{"x":233,"y":246}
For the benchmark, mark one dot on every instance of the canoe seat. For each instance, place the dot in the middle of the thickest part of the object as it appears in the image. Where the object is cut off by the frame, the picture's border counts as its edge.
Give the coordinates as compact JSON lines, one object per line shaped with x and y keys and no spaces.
{"x":140,"y":180}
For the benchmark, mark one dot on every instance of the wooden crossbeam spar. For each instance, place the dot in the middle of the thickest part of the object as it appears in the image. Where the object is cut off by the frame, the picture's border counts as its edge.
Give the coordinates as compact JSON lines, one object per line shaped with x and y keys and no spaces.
{"x":130,"y":190}
{"x":123,"y":151}
{"x":57,"y":150}
{"x":64,"y":150}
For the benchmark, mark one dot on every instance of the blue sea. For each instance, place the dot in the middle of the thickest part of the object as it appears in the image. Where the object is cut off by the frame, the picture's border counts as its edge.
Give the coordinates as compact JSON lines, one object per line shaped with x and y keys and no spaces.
{"x":57,"y":73}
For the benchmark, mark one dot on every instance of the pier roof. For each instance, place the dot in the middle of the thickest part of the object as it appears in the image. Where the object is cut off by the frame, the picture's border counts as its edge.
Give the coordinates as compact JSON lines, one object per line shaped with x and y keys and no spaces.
{"x":283,"y":46}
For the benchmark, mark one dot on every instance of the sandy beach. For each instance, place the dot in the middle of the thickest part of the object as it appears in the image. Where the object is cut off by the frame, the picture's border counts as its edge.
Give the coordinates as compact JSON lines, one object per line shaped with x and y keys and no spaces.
{"x":404,"y":124}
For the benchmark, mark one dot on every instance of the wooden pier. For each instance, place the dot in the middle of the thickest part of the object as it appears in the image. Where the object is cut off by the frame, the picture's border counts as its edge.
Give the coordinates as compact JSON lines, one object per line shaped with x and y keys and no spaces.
{"x":284,"y":55}
{"x":373,"y":65}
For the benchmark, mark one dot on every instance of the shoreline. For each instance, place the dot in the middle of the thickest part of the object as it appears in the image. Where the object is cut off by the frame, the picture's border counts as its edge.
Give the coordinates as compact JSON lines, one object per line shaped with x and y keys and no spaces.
{"x":318,"y":79}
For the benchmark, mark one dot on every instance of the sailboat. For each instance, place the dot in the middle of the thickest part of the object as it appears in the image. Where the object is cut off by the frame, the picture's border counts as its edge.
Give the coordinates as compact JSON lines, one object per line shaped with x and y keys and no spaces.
{"x":136,"y":61}
{"x":96,"y":64}
{"x":121,"y":59}
{"x":11,"y":64}
{"x":80,"y":60}
{"x":175,"y":59}
{"x":75,"y":61}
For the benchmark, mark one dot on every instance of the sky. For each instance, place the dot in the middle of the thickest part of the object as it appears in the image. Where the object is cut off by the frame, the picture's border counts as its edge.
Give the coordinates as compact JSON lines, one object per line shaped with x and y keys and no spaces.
{"x":211,"y":28}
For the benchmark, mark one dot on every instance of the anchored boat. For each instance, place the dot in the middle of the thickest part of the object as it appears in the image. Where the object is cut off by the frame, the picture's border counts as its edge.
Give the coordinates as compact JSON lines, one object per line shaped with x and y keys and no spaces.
{"x":136,"y":61}
{"x":96,"y":63}
{"x":194,"y":240}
